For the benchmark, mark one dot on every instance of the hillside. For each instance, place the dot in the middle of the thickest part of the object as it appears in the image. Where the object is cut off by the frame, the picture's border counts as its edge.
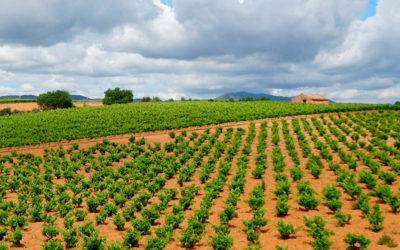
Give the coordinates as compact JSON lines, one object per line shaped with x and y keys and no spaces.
{"x":74,"y":97}
{"x":240,"y":95}
{"x":89,"y":122}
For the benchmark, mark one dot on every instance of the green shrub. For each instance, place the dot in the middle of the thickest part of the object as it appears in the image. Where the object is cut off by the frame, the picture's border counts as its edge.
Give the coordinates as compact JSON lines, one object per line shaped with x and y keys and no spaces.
{"x":393,"y":202}
{"x":113,"y":96}
{"x":155,"y":243}
{"x":70,"y":237}
{"x":16,"y":236}
{"x":50,"y":231}
{"x":188,"y":238}
{"x":3,"y":246}
{"x":221,"y":240}
{"x":322,"y":243}
{"x":141,"y":225}
{"x":350,"y":186}
{"x":356,"y":241}
{"x":375,"y":218}
{"x":116,"y":245}
{"x":169,"y":146}
{"x":252,"y":235}
{"x":54,"y":100}
{"x":367,"y":177}
{"x":286,"y":230}
{"x":362,"y":204}
{"x":282,"y":207}
{"x":93,"y":242}
{"x":52,"y":245}
{"x":110,"y":208}
{"x":341,"y":218}
{"x":131,"y":238}
{"x":381,"y":191}
{"x":150,"y":214}
{"x":3,"y":232}
{"x":132,"y":139}
{"x":333,"y":204}
{"x":256,"y":200}
{"x":316,"y":227}
{"x":174,"y":219}
{"x":87,"y":229}
{"x":4,"y":217}
{"x":355,"y":136}
{"x":36,"y":213}
{"x":258,"y":171}
{"x":68,"y":221}
{"x":16,"y":221}
{"x":388,"y":177}
{"x":119,"y":221}
{"x":253,"y":225}
{"x":80,"y":214}
{"x":77,"y":199}
{"x":307,"y":201}
{"x":330,"y":192}
{"x":92,"y":203}
{"x":101,"y":217}
{"x":296,"y":173}
{"x":315,"y":170}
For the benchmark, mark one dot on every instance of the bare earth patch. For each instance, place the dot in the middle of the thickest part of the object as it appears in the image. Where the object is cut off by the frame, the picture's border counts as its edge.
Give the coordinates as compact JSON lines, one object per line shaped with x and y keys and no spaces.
{"x":29,"y":106}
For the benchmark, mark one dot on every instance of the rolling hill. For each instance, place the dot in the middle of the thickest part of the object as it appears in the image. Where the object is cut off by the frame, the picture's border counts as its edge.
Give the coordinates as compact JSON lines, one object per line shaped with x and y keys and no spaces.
{"x":74,"y":97}
{"x":240,"y":95}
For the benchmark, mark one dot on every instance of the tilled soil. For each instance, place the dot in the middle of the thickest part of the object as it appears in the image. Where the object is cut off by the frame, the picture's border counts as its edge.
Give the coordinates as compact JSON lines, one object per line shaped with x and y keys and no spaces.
{"x":29,"y":106}
{"x":269,"y":235}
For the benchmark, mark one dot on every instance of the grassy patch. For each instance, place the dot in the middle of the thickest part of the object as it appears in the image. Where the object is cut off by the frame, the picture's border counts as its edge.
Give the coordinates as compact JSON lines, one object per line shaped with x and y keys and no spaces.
{"x":388,"y":241}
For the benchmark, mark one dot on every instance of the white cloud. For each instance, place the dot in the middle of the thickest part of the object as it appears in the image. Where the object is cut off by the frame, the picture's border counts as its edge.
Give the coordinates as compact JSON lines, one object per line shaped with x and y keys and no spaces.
{"x":202,"y":48}
{"x":26,"y":87}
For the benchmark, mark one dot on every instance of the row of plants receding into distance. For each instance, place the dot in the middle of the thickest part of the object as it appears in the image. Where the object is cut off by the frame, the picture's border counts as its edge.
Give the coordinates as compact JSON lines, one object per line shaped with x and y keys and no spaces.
{"x":148,"y":190}
{"x":89,"y":122}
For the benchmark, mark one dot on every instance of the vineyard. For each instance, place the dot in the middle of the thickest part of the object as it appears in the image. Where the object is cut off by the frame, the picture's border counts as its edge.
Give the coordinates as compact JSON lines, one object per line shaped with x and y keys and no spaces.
{"x":15,"y":100}
{"x":89,"y":122}
{"x":327,"y":181}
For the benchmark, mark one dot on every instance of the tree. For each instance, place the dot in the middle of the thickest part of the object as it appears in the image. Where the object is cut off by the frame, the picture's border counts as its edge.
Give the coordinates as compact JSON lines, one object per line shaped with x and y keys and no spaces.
{"x":146,"y":99}
{"x":54,"y":100}
{"x":113,"y":96}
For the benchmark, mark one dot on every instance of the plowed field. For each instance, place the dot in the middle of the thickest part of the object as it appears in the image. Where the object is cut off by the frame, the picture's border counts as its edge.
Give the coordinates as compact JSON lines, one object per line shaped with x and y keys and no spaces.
{"x":321,"y":177}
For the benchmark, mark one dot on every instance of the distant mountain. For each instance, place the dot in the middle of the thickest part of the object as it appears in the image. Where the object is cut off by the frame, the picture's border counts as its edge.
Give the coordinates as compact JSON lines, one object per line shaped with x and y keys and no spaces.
{"x":240,"y":95}
{"x":81,"y":98}
{"x":18,"y":96}
{"x":74,"y":97}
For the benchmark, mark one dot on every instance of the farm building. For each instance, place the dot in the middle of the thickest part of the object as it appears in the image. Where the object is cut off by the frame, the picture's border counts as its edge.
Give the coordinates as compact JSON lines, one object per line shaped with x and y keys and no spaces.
{"x":310,"y":98}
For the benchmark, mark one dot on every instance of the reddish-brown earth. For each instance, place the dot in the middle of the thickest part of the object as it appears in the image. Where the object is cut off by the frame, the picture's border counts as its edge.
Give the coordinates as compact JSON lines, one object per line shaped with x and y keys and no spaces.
{"x":29,"y":106}
{"x":269,"y":235}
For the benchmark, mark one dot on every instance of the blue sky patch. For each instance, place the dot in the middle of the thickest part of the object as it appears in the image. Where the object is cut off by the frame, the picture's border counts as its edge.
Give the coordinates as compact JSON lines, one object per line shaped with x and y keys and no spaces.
{"x":370,"y":9}
{"x":10,"y":84}
{"x":168,"y":3}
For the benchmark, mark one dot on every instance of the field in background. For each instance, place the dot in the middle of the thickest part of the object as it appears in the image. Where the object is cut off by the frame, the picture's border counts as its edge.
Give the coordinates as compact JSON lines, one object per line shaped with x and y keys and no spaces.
{"x":244,"y":179}
{"x":15,"y":100}
{"x":88,"y":122}
{"x":31,"y":105}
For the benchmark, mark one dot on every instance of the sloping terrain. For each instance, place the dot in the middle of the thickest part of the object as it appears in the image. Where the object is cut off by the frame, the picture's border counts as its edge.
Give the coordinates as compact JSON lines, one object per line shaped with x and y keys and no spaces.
{"x":227,"y":185}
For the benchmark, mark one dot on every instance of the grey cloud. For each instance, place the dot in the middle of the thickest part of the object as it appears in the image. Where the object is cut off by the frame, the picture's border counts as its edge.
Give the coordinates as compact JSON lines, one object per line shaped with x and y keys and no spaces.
{"x":202,"y":48}
{"x":46,"y":22}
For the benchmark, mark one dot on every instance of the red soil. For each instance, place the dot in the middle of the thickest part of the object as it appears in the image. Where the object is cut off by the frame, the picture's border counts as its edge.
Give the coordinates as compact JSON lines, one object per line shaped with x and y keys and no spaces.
{"x":269,"y":235}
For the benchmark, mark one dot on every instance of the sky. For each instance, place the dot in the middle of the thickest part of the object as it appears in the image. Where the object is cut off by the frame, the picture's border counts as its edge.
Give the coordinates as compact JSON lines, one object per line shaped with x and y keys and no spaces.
{"x":347,"y":50}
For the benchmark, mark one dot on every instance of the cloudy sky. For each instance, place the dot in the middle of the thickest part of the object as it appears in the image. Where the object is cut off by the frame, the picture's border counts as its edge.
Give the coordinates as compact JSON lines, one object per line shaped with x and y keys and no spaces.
{"x":348,"y":50}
